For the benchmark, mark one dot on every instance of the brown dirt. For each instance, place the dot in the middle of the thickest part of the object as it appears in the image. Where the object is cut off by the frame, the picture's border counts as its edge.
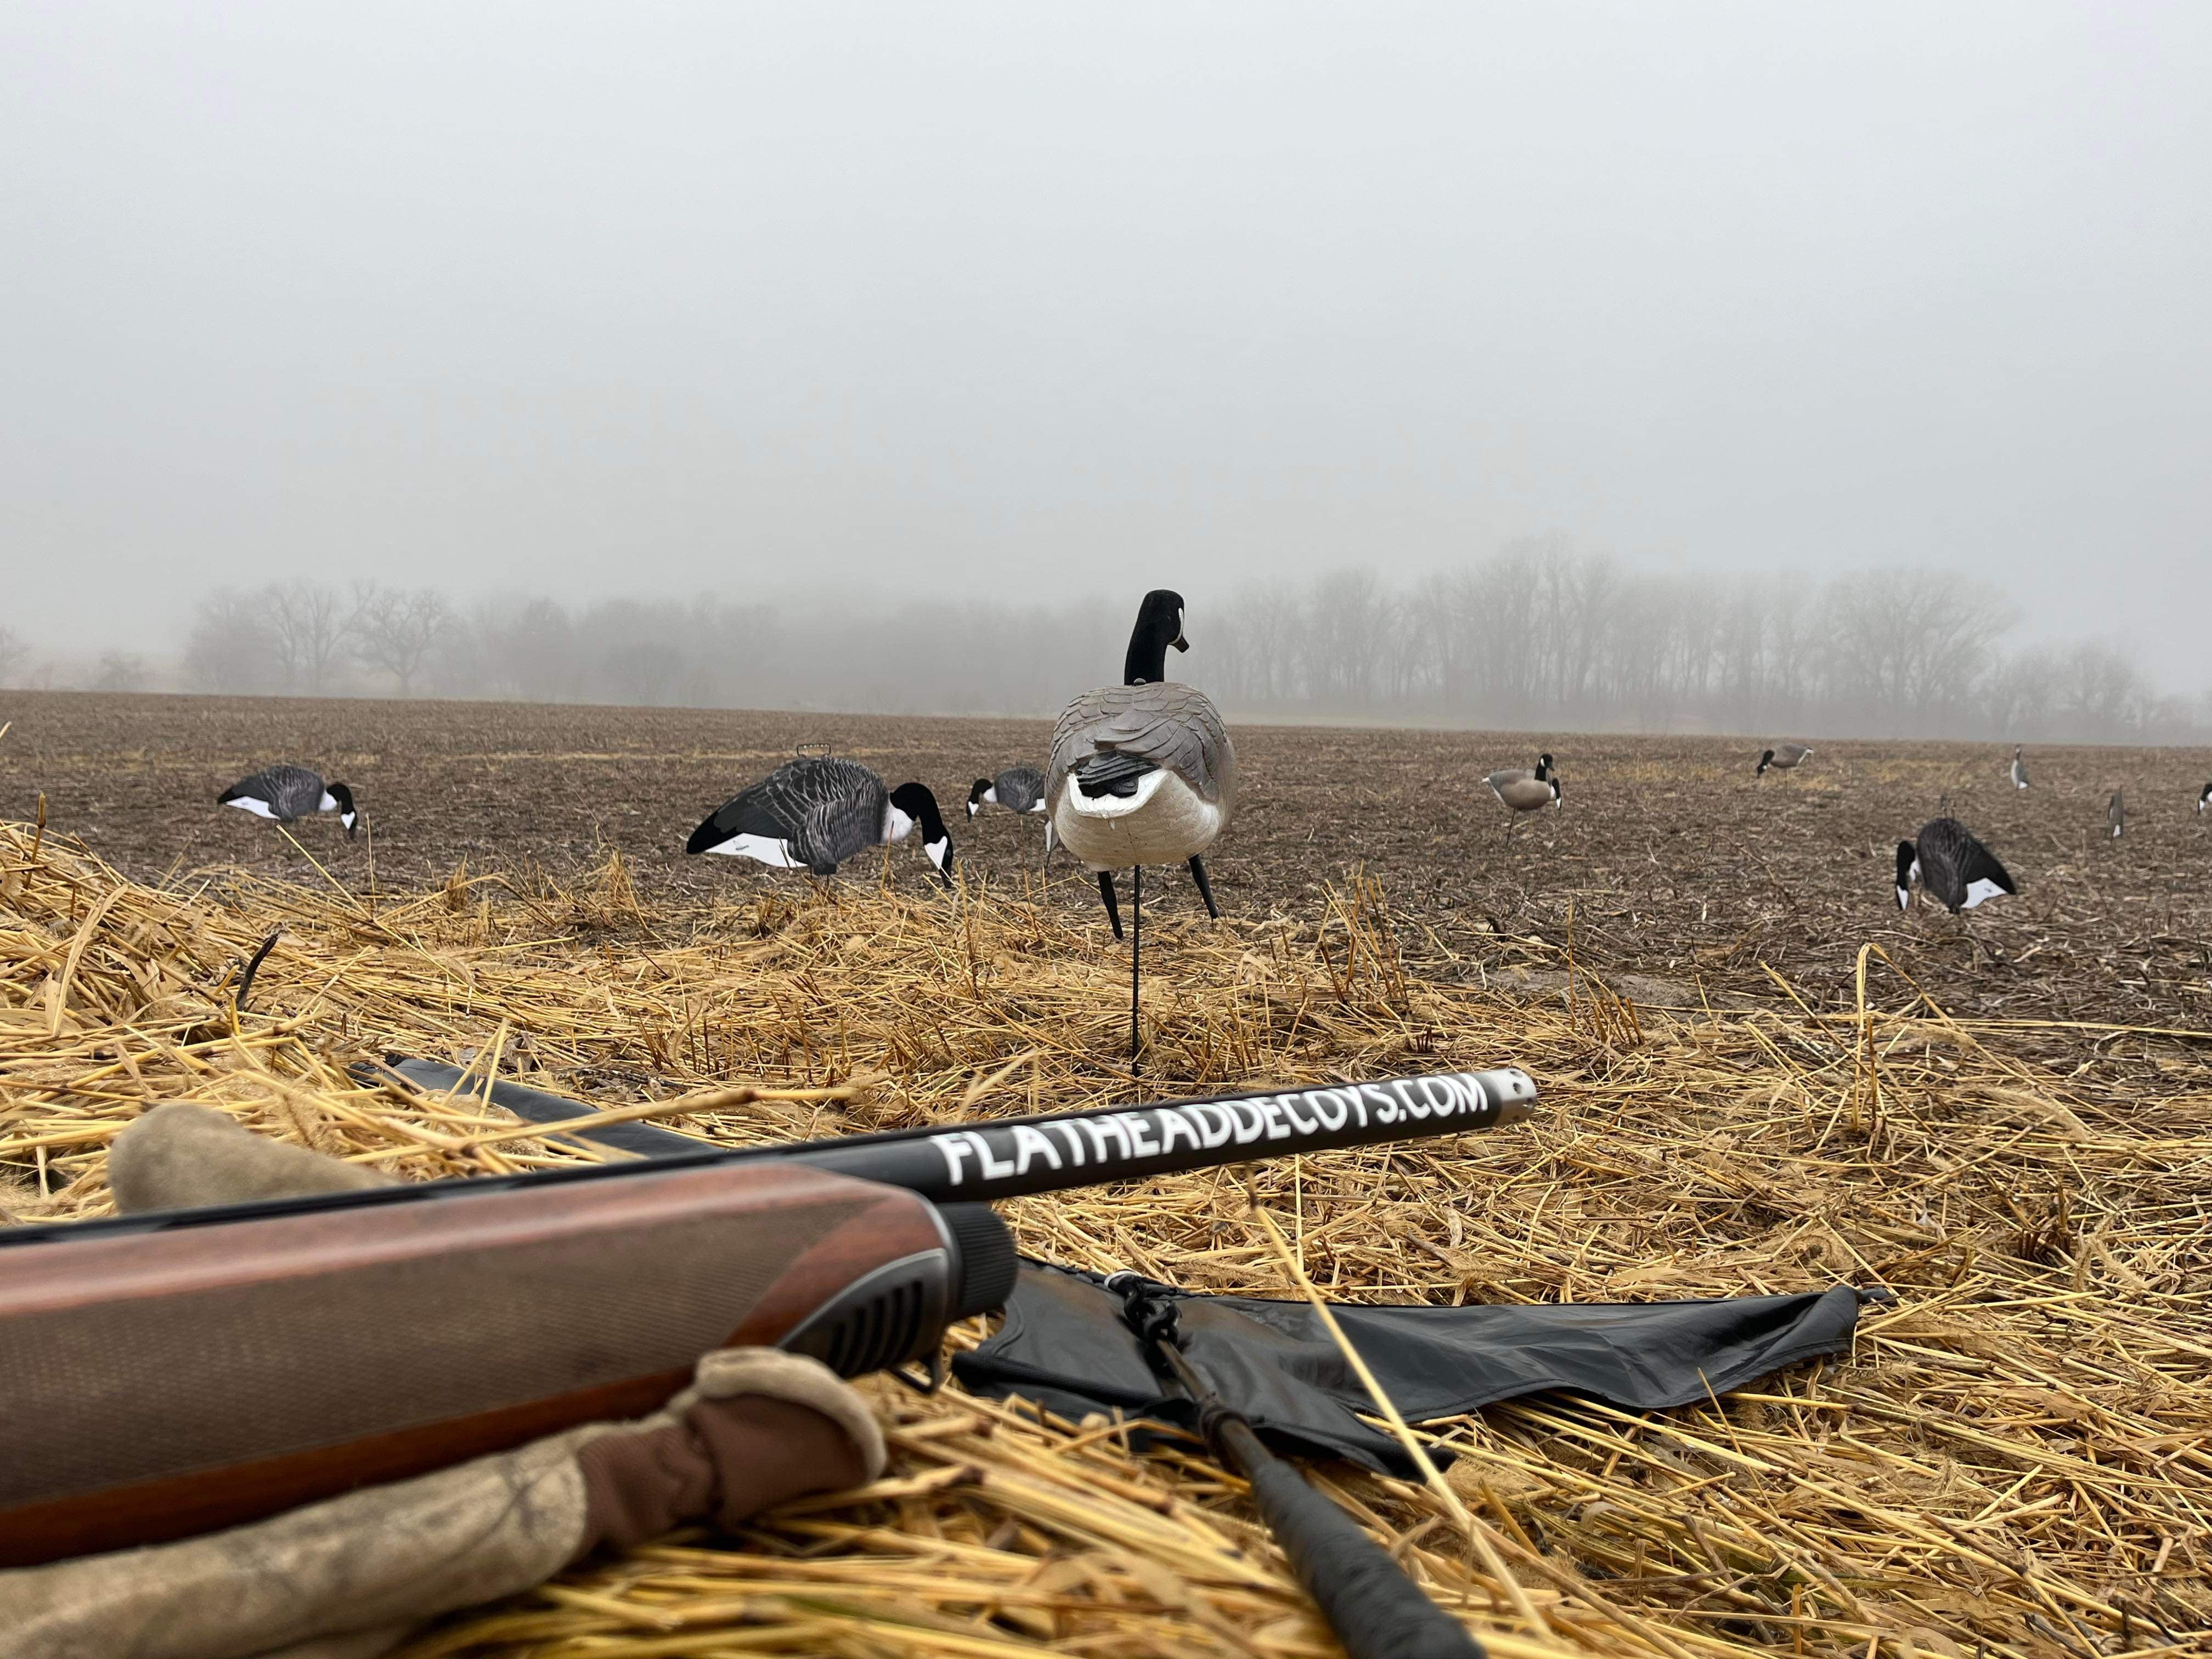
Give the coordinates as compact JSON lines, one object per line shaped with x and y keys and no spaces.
{"x":1669,"y":859}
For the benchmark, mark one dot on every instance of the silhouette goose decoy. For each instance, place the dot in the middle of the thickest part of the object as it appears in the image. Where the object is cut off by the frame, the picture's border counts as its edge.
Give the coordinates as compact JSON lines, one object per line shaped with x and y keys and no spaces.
{"x":1019,"y":789}
{"x":1142,"y":773}
{"x":1951,"y":867}
{"x":2019,"y":769}
{"x":288,"y":793}
{"x":1783,"y":758}
{"x":2115,"y":815}
{"x":818,"y":811}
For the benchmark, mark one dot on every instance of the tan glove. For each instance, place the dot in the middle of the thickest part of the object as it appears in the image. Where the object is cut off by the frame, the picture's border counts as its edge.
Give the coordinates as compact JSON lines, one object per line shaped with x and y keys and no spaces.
{"x":350,"y":1578}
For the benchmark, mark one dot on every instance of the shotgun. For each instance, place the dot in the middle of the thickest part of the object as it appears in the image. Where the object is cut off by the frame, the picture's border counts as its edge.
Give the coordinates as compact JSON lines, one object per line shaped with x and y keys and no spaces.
{"x":234,"y":1362}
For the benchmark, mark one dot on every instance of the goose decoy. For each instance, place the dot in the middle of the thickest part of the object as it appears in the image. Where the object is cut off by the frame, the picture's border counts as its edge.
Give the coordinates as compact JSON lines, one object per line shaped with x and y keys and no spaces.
{"x":818,"y":811}
{"x":1951,"y":866}
{"x":1019,"y":789}
{"x":288,"y":793}
{"x":1142,"y":773}
{"x":2115,"y":815}
{"x":2204,"y":797}
{"x":2019,"y":769}
{"x":1525,"y":792}
{"x":1783,"y":758}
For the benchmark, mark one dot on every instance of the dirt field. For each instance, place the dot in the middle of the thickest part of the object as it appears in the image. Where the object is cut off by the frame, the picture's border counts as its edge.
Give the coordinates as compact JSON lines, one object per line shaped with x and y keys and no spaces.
{"x":1677,"y":864}
{"x":2013,"y":1459}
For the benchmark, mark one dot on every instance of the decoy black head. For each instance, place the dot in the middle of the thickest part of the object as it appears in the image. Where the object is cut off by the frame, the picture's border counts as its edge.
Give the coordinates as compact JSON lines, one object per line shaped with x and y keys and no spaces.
{"x":913,"y":803}
{"x":346,"y":815}
{"x":1908,"y":866}
{"x":984,"y":790}
{"x":1544,"y":766}
{"x":2205,"y":797}
{"x":1159,"y":625}
{"x":1765,"y":761}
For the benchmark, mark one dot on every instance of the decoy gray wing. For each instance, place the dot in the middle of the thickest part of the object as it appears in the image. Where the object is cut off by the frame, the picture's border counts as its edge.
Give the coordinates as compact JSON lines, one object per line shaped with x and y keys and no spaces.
{"x":1174,"y":726}
{"x":1019,"y":788}
{"x":839,"y":827}
{"x":1957,"y":868}
{"x":287,"y":791}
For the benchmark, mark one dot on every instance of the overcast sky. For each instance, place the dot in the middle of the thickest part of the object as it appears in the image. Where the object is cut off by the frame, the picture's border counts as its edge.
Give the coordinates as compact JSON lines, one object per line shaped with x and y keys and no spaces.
{"x":1045,"y":299}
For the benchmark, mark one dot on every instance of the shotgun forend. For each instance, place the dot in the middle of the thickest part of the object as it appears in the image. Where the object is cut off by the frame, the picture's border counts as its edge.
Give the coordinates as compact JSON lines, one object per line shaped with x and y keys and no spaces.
{"x":171,"y":1374}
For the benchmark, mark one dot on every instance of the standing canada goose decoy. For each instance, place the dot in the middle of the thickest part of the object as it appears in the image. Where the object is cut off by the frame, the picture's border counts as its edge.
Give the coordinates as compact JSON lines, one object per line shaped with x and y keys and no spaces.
{"x":2115,"y":815}
{"x":1783,"y":758}
{"x":288,"y":793}
{"x":1526,"y":792}
{"x":1019,"y":789}
{"x":2019,"y":769}
{"x":1951,"y":866}
{"x":818,"y":811}
{"x":1142,"y":773}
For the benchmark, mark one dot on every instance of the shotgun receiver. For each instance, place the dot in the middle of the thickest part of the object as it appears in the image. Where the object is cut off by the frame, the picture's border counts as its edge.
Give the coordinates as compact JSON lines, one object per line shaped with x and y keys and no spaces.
{"x":234,"y":1362}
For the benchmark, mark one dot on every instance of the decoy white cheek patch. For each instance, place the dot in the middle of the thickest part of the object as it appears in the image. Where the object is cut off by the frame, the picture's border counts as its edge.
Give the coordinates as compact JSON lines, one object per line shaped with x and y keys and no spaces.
{"x":936,"y":850}
{"x":1904,"y":899}
{"x":1982,"y":889}
{"x":766,"y":849}
{"x":258,"y":808}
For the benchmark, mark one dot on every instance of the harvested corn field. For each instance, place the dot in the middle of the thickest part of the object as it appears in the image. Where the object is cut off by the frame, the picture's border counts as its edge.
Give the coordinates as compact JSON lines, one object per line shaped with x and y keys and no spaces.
{"x":2013,"y":1459}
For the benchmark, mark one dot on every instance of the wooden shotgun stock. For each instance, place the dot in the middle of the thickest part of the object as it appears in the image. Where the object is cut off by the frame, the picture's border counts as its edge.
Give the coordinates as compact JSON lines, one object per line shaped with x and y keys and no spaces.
{"x":159,"y":1384}
{"x":170,"y":1374}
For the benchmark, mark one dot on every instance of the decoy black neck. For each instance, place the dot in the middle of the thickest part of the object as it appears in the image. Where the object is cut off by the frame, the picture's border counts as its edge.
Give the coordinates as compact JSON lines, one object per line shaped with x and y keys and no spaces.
{"x":917,"y":803}
{"x":1159,"y":625}
{"x":1906,"y":856}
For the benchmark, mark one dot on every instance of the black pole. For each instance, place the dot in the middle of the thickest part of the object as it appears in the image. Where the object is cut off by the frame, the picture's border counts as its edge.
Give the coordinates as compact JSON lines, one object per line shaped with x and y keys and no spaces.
{"x":1375,"y":1610}
{"x":982,"y":1161}
{"x":1136,"y":954}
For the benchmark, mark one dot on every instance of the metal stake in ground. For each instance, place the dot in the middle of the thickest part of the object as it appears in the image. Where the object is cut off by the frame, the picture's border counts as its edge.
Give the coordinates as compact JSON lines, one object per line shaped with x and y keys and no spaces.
{"x":1377,"y":1611}
{"x":1136,"y":952}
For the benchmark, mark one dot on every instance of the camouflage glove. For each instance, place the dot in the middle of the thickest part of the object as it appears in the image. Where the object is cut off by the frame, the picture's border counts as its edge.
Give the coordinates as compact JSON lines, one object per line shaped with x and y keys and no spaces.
{"x":351,"y":1577}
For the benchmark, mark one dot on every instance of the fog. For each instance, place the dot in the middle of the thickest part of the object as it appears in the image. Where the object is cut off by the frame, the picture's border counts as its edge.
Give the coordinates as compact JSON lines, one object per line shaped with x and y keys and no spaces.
{"x":966,"y":314}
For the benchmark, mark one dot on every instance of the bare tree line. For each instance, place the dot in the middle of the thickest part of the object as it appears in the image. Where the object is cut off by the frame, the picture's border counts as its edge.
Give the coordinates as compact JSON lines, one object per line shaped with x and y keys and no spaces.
{"x":1538,"y":637}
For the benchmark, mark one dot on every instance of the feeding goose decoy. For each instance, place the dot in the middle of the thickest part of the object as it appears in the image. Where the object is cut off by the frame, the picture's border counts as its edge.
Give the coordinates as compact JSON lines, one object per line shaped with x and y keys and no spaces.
{"x":1019,"y":789}
{"x":818,"y":811}
{"x":2115,"y":815}
{"x":2204,"y":797}
{"x":2019,"y":769}
{"x":1951,"y":866}
{"x":1783,"y":758}
{"x":1142,"y":773}
{"x":288,"y":793}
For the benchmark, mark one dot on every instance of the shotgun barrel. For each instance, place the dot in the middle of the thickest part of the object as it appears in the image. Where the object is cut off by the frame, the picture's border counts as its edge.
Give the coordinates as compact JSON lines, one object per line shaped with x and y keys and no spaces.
{"x":173,"y":1373}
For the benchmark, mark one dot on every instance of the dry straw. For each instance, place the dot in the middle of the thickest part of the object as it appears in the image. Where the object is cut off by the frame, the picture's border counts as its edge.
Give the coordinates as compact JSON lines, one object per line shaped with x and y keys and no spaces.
{"x":2012,"y":1461}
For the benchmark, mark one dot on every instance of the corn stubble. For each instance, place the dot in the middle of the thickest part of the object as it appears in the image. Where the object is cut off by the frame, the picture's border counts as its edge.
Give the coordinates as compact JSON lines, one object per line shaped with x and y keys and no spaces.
{"x":2012,"y":1461}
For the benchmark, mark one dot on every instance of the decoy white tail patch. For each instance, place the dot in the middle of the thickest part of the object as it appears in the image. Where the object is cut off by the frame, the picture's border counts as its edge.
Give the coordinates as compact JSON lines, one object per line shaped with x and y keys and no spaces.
{"x":765,"y":849}
{"x":247,"y":804}
{"x":1981,"y":888}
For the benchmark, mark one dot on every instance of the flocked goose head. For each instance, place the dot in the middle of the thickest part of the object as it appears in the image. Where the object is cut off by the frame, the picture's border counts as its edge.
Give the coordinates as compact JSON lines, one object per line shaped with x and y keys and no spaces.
{"x":983,"y":792}
{"x":1159,"y":625}
{"x":347,"y":813}
{"x":1908,"y":870}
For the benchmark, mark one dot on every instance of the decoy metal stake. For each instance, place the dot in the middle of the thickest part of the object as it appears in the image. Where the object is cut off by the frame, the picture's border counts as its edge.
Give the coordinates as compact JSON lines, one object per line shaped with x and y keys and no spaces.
{"x":1136,"y":956}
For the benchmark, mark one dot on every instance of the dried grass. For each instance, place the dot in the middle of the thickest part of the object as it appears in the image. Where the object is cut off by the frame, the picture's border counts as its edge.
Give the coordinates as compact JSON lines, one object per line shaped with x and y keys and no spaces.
{"x":2012,"y":1461}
